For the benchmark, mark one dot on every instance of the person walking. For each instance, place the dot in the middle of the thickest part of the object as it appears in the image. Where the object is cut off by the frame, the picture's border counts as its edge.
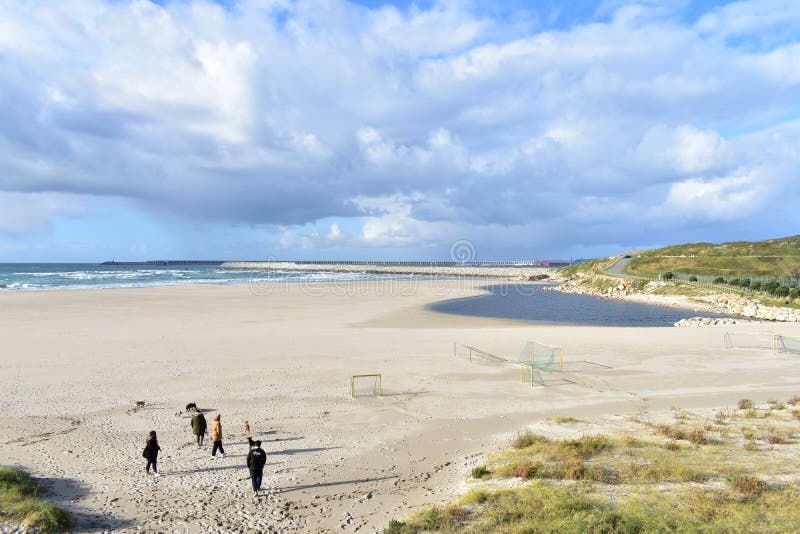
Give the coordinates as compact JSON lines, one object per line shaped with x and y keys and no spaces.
{"x":255,"y":462}
{"x":216,"y":436}
{"x":151,"y":449}
{"x":199,"y":427}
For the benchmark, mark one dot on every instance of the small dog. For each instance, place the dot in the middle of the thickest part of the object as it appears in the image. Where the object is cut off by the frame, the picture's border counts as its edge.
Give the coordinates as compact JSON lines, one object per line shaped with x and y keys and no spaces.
{"x":191,"y":407}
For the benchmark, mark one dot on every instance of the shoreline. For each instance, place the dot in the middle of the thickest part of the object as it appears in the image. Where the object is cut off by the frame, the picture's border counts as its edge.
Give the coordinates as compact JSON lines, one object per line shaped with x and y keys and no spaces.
{"x":518,"y":273}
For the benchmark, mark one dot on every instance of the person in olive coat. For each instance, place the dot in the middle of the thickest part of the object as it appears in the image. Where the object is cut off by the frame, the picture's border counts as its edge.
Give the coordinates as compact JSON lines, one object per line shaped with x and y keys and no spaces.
{"x":151,"y":453}
{"x":199,"y":427}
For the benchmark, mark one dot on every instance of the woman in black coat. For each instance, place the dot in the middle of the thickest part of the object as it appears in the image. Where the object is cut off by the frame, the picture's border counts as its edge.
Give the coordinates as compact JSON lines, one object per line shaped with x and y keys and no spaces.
{"x":151,"y":453}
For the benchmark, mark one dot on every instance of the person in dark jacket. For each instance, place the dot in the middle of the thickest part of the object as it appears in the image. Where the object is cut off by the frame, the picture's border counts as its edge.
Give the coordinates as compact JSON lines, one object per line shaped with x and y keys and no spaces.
{"x":255,"y":462}
{"x":151,"y":453}
{"x":199,"y":427}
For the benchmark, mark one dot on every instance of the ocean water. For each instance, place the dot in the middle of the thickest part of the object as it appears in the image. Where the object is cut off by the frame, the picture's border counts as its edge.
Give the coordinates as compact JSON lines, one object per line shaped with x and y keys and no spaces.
{"x":43,"y":276}
{"x":529,"y":302}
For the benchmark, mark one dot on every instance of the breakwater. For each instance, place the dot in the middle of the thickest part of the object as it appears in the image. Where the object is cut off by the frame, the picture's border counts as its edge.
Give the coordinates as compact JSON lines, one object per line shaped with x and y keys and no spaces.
{"x":508,"y":272}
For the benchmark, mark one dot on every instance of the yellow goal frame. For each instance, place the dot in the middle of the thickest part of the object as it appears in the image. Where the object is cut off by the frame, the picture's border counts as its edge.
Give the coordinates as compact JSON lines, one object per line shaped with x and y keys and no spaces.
{"x":775,"y":341}
{"x":353,"y":383}
{"x":560,"y":354}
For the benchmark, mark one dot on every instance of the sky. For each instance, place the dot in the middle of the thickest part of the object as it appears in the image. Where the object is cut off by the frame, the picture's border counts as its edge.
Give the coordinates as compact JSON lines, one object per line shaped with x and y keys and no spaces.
{"x":333,"y":129}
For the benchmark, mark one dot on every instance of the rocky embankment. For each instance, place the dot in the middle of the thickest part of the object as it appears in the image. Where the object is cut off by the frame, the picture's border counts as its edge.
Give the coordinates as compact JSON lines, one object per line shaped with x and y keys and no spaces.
{"x":710,"y":321}
{"x":641,"y":291}
{"x":514,"y":273}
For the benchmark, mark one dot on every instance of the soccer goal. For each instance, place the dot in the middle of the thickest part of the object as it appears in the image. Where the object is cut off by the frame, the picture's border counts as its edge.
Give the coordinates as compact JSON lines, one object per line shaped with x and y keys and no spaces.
{"x":528,"y":373}
{"x":365,"y":385}
{"x":749,"y":340}
{"x":786,"y":344}
{"x":542,"y":356}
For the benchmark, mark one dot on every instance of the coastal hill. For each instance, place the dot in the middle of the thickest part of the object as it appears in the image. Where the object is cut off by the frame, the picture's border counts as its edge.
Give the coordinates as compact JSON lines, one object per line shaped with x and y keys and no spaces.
{"x":772,"y":257}
{"x":757,"y":280}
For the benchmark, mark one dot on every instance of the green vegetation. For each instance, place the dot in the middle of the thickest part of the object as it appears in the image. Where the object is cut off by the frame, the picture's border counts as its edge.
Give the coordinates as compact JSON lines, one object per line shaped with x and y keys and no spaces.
{"x":716,"y":472}
{"x":480,"y":472}
{"x":588,"y":266}
{"x":20,"y":503}
{"x":773,"y":257}
{"x":564,"y":419}
{"x":770,"y":270}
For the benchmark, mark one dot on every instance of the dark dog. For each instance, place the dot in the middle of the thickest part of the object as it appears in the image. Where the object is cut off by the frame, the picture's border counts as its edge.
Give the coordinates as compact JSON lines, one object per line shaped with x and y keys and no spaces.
{"x":191,"y":407}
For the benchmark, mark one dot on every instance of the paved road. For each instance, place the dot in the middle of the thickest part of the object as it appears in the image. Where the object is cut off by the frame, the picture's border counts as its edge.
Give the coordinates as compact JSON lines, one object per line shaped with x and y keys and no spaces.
{"x":618,"y":269}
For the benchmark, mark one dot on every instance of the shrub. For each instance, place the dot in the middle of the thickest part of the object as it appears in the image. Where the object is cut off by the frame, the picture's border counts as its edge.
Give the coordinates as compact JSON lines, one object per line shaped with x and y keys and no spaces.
{"x":719,"y":280}
{"x":781,"y":291}
{"x":749,"y":484}
{"x":794,"y":293}
{"x":586,"y":446}
{"x":527,"y":439}
{"x":745,"y":282}
{"x":776,"y":438}
{"x":570,"y":469}
{"x":770,"y":286}
{"x":794,"y":401}
{"x":693,"y":278}
{"x":697,"y":436}
{"x":672,"y":445}
{"x":745,"y":404}
{"x":755,"y":286}
{"x":480,"y":472}
{"x":671,"y":431}
{"x":751,"y":445}
{"x":527,"y":469}
{"x":735,"y":282}
{"x":668,"y":275}
{"x":776,"y":404}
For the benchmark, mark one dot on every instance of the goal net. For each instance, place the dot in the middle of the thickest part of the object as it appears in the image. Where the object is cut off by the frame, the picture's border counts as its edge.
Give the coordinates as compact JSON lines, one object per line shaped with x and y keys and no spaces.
{"x":527,"y":373}
{"x":476,"y":355}
{"x":749,"y":340}
{"x":365,"y":385}
{"x":787,"y":344}
{"x":542,"y":356}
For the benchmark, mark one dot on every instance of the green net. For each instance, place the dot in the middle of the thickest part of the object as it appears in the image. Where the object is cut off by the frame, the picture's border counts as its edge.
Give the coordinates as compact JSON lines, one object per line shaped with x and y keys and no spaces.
{"x":475,"y":355}
{"x":527,"y":374}
{"x":541,"y":356}
{"x":749,"y":340}
{"x":786,"y":344}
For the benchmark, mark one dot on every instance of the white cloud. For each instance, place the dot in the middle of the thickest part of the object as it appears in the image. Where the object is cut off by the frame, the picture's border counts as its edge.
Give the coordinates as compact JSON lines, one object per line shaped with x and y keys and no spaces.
{"x":727,"y":198}
{"x":421,"y":124}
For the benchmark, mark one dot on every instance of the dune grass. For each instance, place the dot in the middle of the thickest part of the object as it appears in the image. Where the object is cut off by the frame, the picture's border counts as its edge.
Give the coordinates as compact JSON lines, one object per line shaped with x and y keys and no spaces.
{"x":717,"y":472}
{"x":20,"y":503}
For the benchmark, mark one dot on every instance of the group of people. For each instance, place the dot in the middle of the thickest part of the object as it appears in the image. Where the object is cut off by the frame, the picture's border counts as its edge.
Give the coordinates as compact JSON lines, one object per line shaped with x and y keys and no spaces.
{"x":256,"y":457}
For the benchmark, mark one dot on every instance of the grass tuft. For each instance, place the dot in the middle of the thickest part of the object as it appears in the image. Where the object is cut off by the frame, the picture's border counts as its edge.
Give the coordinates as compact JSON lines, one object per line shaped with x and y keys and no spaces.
{"x":480,"y":472}
{"x":749,"y":484}
{"x":745,"y":404}
{"x":20,"y":501}
{"x":776,"y":404}
{"x":528,"y":439}
{"x":558,"y":419}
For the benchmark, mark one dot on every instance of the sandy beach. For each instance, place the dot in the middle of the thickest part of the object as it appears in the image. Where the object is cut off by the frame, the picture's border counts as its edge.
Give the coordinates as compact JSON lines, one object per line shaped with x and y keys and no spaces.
{"x":281,"y":357}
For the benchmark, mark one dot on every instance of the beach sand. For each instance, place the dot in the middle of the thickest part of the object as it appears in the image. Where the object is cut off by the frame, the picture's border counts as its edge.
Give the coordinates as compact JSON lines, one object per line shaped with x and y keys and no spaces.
{"x":281,"y":357}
